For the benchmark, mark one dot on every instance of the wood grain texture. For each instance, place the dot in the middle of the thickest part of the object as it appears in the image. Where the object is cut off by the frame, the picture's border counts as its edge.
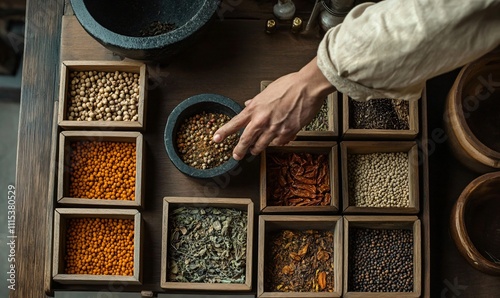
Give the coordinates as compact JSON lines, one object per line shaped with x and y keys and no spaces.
{"x":50,"y":205}
{"x":39,"y":85}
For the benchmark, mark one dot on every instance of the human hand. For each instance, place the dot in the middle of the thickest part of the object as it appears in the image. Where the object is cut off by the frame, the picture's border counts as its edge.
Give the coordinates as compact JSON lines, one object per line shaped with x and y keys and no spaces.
{"x":275,"y":115}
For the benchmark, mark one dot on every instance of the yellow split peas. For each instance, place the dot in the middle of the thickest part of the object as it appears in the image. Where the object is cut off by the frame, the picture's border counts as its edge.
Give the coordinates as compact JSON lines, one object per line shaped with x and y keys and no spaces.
{"x":100,"y":246}
{"x":102,"y":170}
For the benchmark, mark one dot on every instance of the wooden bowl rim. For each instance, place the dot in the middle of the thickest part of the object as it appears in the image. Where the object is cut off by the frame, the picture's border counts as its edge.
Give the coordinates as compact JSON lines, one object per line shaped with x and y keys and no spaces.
{"x":463,"y":77}
{"x":459,"y":230}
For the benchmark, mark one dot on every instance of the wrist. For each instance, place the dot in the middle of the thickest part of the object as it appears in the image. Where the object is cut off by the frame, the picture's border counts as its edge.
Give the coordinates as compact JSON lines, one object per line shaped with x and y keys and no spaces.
{"x":316,"y":84}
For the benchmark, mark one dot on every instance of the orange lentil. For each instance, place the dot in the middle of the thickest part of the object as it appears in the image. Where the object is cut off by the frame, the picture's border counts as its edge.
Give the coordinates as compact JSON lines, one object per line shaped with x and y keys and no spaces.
{"x":102,"y":170}
{"x":92,"y":234}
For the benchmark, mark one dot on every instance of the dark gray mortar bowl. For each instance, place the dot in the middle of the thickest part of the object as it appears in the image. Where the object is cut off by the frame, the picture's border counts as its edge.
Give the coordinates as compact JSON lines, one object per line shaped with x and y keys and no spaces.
{"x":209,"y":103}
{"x":117,"y":24}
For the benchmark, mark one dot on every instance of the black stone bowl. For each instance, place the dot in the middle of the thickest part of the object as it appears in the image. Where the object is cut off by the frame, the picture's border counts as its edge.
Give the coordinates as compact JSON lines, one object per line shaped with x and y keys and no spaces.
{"x":119,"y":25}
{"x":209,"y":103}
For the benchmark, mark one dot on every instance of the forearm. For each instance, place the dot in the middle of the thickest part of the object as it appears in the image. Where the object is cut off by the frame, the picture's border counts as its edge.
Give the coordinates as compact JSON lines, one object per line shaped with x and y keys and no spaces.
{"x":391,"y":48}
{"x":315,"y":83}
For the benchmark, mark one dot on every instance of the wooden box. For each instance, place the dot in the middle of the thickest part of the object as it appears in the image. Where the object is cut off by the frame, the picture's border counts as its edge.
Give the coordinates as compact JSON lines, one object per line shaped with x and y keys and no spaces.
{"x":105,"y":66}
{"x":273,"y":223}
{"x":329,"y":148}
{"x":242,"y":204}
{"x":65,"y":140}
{"x":61,"y":216}
{"x":367,"y":147}
{"x":350,"y":133}
{"x":384,"y":222}
{"x":332,"y":131}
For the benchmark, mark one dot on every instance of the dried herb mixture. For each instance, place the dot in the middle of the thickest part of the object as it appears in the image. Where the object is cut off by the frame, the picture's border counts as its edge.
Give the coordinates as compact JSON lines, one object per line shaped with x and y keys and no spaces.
{"x":207,"y":245}
{"x":300,"y":261}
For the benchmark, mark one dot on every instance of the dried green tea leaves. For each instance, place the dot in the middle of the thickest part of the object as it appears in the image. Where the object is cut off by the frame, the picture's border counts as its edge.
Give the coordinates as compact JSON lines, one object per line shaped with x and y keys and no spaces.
{"x":207,"y":245}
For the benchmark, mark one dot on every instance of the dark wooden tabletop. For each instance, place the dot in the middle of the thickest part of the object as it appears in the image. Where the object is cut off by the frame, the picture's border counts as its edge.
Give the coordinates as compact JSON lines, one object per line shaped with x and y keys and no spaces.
{"x":231,"y":59}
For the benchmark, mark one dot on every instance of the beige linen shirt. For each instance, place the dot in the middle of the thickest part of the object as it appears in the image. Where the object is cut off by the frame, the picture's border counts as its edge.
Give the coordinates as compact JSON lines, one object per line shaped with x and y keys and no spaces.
{"x":389,"y":49}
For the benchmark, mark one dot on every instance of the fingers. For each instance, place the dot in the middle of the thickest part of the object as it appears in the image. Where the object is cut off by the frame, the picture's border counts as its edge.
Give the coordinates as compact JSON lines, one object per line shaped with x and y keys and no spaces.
{"x":261,"y":144}
{"x":234,"y":125}
{"x":282,"y":140}
{"x":246,"y":140}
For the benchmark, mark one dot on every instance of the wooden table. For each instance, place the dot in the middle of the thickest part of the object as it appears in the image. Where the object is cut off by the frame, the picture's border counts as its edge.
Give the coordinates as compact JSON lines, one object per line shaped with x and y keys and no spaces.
{"x":231,"y":59}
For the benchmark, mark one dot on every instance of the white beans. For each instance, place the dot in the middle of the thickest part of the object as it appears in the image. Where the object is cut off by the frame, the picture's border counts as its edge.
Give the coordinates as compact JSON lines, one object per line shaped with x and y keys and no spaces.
{"x":378,"y":179}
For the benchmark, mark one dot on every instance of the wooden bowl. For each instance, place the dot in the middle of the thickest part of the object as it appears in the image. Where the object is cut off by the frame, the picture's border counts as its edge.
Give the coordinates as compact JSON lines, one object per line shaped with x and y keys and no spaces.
{"x":474,"y":223}
{"x":471,"y":117}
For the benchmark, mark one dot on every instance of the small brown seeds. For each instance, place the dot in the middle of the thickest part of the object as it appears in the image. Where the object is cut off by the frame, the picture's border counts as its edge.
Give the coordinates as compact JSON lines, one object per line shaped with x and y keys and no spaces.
{"x":194,"y":141}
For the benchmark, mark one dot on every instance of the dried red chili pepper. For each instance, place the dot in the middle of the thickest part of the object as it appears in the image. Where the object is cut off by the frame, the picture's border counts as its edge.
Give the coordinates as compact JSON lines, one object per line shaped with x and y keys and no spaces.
{"x":298,"y":179}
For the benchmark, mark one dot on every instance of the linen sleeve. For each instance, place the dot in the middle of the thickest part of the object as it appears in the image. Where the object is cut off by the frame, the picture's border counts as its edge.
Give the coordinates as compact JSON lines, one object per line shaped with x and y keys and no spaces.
{"x":389,"y":49}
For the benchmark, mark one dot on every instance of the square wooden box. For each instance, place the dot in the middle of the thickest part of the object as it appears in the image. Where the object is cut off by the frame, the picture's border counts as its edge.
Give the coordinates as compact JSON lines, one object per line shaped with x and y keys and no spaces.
{"x":61,"y":216}
{"x":333,"y":123}
{"x":242,"y":204}
{"x":65,"y":139}
{"x":107,"y":66}
{"x":366,"y":147}
{"x":272,"y":223}
{"x":316,"y":147}
{"x":356,"y":133}
{"x":385,"y":222}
